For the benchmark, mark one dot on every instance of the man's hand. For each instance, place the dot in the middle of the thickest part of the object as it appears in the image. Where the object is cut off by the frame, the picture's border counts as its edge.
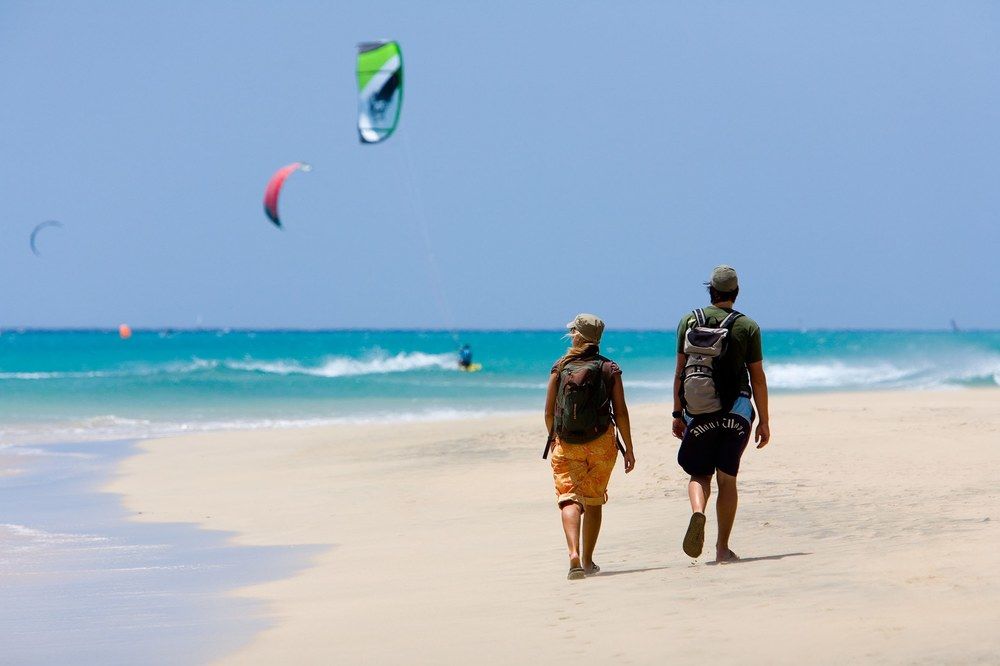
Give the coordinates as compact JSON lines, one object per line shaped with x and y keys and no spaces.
{"x":762,"y":435}
{"x":629,"y":460}
{"x":679,"y":427}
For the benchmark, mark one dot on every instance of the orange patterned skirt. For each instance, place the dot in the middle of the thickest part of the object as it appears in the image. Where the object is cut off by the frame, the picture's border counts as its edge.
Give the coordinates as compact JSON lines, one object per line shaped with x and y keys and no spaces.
{"x":582,"y":471}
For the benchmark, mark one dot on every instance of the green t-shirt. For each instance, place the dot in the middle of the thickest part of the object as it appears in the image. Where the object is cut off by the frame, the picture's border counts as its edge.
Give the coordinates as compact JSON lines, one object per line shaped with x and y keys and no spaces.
{"x":744,"y":342}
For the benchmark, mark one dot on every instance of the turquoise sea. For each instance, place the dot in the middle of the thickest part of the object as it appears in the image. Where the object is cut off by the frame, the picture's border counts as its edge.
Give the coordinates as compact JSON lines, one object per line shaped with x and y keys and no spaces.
{"x":79,"y":385}
{"x":84,"y":579}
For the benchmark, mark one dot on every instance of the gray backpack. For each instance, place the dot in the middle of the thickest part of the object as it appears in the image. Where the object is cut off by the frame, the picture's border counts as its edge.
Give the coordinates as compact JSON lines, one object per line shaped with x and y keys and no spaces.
{"x":703,"y":390}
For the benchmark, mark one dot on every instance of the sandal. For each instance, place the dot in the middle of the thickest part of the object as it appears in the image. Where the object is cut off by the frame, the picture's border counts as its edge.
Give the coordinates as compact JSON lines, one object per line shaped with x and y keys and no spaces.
{"x":694,"y":538}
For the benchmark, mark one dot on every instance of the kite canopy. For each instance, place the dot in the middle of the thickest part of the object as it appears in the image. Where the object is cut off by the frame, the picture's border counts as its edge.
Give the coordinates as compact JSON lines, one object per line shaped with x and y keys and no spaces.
{"x":39,"y":227}
{"x":273,"y":189}
{"x":380,"y":90}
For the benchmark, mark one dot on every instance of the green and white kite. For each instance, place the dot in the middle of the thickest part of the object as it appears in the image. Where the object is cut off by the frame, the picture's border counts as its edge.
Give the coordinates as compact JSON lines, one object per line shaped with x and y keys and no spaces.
{"x":380,"y":90}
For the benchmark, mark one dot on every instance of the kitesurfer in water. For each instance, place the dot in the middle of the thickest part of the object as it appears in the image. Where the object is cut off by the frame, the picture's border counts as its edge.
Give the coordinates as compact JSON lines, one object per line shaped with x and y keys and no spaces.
{"x":465,"y":357}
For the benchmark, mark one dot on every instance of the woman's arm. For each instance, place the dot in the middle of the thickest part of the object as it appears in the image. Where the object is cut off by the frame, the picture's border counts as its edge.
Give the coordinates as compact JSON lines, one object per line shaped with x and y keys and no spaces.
{"x":550,"y":402}
{"x":621,"y":420}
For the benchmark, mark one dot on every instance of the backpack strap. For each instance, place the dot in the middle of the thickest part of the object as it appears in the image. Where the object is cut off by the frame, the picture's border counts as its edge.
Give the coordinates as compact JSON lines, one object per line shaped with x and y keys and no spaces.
{"x":699,"y":317}
{"x":600,"y":373}
{"x":618,"y":438}
{"x":730,"y":319}
{"x":548,"y":444}
{"x":614,"y":423}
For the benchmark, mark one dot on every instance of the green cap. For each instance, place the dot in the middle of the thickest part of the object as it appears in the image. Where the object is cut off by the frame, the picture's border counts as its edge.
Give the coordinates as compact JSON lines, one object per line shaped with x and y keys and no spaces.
{"x":591,"y":327}
{"x":724,"y":278}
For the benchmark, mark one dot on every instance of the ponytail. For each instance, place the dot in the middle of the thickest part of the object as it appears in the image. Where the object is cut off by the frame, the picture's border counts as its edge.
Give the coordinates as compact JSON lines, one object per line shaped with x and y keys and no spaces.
{"x":577,"y":353}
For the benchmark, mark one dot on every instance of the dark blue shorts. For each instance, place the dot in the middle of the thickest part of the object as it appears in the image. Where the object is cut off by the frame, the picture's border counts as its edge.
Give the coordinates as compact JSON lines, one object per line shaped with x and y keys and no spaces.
{"x":717,"y":442}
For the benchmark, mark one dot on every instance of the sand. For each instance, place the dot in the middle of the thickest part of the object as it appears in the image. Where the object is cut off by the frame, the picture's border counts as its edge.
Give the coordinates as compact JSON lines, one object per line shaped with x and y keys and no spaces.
{"x":868,"y":529}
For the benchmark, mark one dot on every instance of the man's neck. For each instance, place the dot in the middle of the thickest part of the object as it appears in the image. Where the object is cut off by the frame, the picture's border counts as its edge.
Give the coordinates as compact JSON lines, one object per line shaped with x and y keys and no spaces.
{"x":725,"y":305}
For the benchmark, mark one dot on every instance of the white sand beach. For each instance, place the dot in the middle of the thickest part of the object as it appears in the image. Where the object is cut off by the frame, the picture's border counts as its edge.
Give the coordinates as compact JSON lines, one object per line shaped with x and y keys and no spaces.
{"x":868,"y":530}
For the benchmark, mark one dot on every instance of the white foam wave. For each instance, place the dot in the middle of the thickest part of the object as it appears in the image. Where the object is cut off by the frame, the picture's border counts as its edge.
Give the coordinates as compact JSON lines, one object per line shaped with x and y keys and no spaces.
{"x":925,"y":373}
{"x":340,"y":366}
{"x":15,"y":450}
{"x":114,"y":428}
{"x":834,"y":375}
{"x":33,"y":535}
{"x":333,"y":366}
{"x":57,"y":375}
{"x":657,"y":385}
{"x":532,"y":386}
{"x":195,"y":365}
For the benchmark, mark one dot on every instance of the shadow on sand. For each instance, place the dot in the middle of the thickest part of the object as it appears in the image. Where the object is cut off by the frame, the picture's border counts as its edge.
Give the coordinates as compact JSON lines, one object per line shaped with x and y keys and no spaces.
{"x":619,"y":572}
{"x":744,"y":560}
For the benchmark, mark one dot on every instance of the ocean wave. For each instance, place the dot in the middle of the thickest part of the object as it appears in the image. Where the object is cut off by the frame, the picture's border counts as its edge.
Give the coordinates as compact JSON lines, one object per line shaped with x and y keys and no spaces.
{"x":33,"y":535}
{"x":36,"y":452}
{"x":342,"y":366}
{"x":109,"y":427}
{"x":927,"y":373}
{"x":650,"y":384}
{"x":376,"y":363}
{"x":172,"y":368}
{"x":23,"y":548}
{"x":59,"y":375}
{"x":835,"y":375}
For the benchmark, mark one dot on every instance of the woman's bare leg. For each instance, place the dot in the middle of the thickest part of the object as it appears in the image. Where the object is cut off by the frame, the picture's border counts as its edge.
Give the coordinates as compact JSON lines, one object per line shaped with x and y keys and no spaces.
{"x":591,"y":529}
{"x":571,"y":512}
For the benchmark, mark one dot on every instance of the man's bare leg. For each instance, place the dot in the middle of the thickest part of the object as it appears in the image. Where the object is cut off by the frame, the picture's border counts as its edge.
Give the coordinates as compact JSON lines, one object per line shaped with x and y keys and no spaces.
{"x":725,"y":507}
{"x":699,"y":490}
{"x":571,"y":526}
{"x":591,"y":529}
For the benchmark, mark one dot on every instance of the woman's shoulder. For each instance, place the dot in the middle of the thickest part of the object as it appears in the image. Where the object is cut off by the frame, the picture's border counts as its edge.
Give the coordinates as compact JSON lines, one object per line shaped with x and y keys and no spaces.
{"x":610,"y":367}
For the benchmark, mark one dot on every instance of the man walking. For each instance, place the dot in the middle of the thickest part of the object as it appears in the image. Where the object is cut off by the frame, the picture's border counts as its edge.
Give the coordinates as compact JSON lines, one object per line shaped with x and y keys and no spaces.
{"x":719,"y":368}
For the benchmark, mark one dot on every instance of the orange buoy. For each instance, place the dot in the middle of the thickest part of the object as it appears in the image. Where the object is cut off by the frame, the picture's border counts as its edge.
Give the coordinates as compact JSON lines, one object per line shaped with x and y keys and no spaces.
{"x":124,"y":332}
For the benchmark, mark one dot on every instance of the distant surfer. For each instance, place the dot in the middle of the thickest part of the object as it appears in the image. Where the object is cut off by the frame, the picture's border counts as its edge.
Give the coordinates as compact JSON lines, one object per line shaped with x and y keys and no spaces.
{"x":719,"y":368}
{"x":584,"y":412}
{"x":465,"y":357}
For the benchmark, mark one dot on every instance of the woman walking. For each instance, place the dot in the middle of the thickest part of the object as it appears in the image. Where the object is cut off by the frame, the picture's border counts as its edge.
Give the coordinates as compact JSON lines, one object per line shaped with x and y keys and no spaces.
{"x":584,"y":404}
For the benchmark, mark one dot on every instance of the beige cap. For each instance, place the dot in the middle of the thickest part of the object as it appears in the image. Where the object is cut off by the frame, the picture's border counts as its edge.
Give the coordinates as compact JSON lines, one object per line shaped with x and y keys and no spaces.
{"x":724,"y":278}
{"x":591,"y":327}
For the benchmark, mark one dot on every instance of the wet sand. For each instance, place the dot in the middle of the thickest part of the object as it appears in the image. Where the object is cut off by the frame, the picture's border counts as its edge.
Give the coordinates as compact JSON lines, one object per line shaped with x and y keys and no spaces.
{"x":867,"y":528}
{"x":81,"y":583}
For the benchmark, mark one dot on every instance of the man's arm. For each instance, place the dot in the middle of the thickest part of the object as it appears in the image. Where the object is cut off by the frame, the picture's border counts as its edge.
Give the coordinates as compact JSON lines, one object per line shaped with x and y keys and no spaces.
{"x":758,"y":380}
{"x":678,"y":427}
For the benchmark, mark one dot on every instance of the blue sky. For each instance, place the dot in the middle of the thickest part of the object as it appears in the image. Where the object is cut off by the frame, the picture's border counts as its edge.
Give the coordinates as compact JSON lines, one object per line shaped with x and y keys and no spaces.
{"x":563,"y":157}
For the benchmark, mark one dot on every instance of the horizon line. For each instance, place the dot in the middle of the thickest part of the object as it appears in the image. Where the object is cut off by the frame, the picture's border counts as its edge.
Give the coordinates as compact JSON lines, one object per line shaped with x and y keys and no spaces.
{"x":450,"y":331}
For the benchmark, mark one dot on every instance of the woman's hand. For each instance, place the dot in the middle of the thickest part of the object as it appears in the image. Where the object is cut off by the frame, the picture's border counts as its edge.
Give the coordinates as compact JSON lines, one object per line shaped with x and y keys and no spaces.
{"x":629,"y":460}
{"x":679,"y":427}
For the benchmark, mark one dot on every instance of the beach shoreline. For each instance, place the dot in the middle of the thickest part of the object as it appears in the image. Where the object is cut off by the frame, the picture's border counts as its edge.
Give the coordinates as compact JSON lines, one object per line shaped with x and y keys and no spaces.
{"x":867,"y":528}
{"x":81,"y":580}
